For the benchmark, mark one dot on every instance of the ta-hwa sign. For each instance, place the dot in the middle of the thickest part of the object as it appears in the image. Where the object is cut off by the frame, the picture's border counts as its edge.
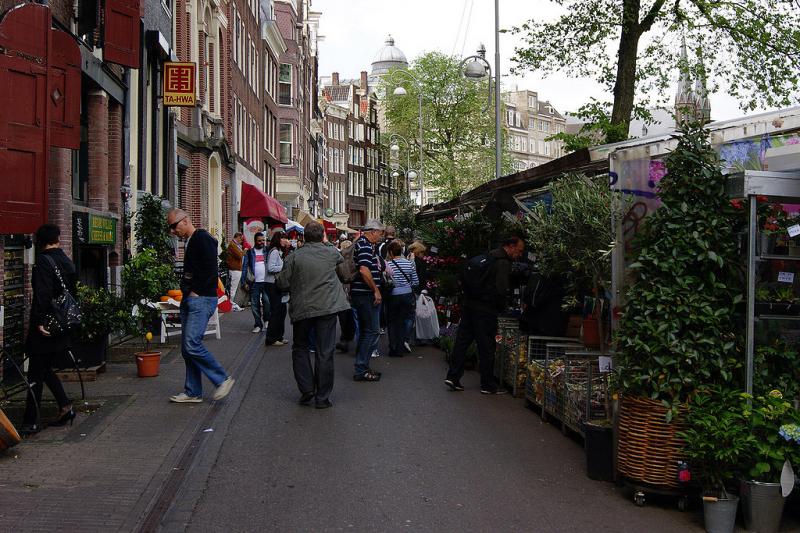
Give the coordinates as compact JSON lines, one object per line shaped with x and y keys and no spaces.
{"x":180,"y":81}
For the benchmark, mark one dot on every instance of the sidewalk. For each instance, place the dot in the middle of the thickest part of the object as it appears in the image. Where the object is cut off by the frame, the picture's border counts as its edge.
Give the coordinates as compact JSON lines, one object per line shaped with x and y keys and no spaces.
{"x":104,"y":473}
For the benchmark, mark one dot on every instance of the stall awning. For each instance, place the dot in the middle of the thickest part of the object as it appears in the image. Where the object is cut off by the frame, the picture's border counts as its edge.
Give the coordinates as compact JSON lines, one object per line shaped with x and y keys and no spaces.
{"x":257,"y":203}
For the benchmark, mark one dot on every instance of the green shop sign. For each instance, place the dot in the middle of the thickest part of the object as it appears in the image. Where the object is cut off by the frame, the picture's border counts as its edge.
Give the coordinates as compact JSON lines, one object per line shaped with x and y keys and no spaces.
{"x":94,"y":229}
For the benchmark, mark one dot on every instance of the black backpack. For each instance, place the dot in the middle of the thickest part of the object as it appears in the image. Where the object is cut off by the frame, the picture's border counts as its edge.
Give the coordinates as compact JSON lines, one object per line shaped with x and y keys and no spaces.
{"x":475,"y":278}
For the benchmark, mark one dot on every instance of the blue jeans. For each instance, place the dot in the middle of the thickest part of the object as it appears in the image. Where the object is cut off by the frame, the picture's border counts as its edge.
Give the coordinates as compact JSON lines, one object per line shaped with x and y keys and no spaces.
{"x":368,"y":317}
{"x":258,"y":296}
{"x":195,"y":313}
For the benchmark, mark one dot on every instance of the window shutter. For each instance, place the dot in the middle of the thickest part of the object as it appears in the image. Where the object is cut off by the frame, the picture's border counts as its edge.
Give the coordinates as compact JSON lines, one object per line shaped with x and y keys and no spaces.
{"x":121,"y":39}
{"x":64,"y":91}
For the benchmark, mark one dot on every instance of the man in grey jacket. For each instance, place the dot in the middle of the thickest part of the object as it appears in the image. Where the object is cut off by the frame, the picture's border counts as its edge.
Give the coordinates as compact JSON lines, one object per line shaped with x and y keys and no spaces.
{"x":309,"y":274}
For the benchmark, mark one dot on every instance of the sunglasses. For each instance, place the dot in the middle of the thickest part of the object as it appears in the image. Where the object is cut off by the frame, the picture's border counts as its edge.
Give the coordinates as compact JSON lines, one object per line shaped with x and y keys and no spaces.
{"x":174,"y":225}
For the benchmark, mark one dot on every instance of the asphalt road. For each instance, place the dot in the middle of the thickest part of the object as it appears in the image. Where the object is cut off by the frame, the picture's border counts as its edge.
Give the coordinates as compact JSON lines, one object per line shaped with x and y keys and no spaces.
{"x":406,"y":454}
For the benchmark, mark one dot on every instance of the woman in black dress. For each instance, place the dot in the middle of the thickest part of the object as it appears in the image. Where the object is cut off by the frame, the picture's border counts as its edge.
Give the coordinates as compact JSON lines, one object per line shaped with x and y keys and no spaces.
{"x":42,"y":346}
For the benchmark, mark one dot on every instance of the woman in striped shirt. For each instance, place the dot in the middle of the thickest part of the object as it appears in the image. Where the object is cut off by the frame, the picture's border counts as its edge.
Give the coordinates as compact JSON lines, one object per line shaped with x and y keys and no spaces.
{"x":401,"y":303}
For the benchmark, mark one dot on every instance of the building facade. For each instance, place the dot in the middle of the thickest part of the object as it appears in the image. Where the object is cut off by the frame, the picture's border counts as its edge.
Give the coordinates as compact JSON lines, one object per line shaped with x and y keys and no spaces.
{"x":529,"y":122}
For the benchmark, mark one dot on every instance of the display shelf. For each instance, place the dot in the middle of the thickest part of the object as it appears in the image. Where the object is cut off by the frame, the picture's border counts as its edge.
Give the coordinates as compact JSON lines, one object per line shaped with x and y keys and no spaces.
{"x":537,"y":363}
{"x":783,"y":187}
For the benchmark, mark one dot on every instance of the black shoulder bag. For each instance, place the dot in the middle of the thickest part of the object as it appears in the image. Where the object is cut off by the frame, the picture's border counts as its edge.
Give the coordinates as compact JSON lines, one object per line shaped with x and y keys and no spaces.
{"x":65,"y":313}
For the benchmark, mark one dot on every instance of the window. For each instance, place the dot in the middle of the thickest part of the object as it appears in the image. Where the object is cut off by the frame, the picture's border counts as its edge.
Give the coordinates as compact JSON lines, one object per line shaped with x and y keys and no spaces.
{"x":285,"y":84}
{"x":546,"y":148}
{"x":286,"y":144}
{"x":532,"y":101}
{"x":545,"y":126}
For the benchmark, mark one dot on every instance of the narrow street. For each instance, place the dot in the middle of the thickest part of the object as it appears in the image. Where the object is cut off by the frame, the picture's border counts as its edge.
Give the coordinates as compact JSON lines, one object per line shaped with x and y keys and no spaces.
{"x":401,"y":454}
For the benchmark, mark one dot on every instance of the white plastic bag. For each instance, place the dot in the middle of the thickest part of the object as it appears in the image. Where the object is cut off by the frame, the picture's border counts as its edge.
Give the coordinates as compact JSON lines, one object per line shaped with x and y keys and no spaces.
{"x":427,"y":322}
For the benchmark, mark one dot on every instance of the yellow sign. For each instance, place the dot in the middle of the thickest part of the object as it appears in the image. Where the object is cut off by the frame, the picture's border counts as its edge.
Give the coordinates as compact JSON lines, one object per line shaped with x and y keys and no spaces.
{"x":180,"y":80}
{"x":102,"y":230}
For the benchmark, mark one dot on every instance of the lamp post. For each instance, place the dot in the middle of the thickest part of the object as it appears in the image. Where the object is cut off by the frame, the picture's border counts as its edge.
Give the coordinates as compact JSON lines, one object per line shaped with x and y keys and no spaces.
{"x":400,"y":91}
{"x":394,"y":155}
{"x":477,"y":68}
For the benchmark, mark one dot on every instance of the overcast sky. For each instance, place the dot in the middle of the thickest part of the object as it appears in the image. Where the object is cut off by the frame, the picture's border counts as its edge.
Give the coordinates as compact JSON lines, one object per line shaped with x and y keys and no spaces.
{"x":354,"y":30}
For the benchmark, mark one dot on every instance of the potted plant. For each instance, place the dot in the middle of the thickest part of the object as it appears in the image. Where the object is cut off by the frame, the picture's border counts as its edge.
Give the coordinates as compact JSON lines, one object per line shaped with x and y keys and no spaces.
{"x":103,"y":312}
{"x":769,"y":416}
{"x":147,"y":361}
{"x":717,"y":440}
{"x":572,"y":236}
{"x":678,"y":330}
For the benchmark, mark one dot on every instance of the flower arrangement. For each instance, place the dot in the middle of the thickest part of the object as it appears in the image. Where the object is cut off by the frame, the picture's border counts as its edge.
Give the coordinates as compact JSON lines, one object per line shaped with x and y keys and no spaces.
{"x":790,"y":432}
{"x":767,"y":415}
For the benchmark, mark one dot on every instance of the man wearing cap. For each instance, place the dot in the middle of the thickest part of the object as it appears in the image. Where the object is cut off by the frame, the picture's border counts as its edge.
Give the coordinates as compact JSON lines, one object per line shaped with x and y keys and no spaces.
{"x":365,"y":298}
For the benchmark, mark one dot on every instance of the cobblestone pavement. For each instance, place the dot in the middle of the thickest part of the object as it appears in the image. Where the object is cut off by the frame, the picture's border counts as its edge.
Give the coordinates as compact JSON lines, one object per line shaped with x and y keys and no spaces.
{"x":402,"y":454}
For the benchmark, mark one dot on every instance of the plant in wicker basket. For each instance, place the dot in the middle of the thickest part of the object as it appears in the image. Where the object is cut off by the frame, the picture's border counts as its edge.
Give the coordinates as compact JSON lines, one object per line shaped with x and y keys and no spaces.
{"x":678,"y":330}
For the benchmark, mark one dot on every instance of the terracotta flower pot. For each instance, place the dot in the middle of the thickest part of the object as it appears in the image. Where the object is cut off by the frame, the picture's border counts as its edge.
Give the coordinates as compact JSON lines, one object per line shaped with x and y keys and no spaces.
{"x":8,"y":435}
{"x":147,"y":364}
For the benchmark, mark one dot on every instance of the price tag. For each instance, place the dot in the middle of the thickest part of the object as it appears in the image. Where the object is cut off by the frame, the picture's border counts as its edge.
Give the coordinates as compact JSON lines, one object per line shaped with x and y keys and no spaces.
{"x":606,"y":363}
{"x":531,"y":257}
{"x":794,"y":231}
{"x":786,"y":277}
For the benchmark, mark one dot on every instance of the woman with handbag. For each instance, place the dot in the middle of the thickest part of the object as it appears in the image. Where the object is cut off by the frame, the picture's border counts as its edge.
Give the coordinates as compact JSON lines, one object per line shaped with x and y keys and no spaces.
{"x":48,"y":334}
{"x":277,"y":307}
{"x":401,"y":301}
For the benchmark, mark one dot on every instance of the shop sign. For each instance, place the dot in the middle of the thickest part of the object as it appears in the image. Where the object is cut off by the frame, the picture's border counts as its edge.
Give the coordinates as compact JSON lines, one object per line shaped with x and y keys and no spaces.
{"x":80,"y":228}
{"x":180,"y":80}
{"x":102,"y":230}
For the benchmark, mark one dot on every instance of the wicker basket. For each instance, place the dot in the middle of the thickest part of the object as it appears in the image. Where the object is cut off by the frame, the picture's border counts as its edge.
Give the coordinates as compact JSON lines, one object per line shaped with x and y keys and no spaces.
{"x":649,"y":449}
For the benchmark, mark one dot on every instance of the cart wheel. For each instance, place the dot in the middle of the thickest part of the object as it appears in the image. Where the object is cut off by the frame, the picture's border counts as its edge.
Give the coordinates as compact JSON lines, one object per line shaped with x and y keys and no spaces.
{"x":638,"y":498}
{"x":683,"y":503}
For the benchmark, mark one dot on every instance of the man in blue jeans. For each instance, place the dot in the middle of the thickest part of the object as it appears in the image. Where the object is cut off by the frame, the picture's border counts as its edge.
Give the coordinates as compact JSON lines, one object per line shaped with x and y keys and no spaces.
{"x":199,"y":288}
{"x":254,"y":266}
{"x":365,"y":298}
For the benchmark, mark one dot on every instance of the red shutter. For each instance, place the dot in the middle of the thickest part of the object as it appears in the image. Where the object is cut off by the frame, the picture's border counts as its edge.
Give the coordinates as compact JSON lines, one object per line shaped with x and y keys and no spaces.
{"x":24,"y":32}
{"x":64,"y":93}
{"x":121,"y":39}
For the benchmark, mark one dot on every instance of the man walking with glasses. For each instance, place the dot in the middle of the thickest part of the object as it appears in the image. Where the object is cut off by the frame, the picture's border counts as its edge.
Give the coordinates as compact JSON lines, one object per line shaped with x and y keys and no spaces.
{"x":199,"y":288}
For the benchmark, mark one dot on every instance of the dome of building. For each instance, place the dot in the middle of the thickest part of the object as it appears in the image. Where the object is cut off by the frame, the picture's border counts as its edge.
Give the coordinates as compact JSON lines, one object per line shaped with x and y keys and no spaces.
{"x":388,"y":57}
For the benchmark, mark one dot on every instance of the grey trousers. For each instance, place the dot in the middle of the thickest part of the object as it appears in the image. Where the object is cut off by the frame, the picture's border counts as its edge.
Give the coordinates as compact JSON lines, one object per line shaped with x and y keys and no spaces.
{"x":318,"y":380}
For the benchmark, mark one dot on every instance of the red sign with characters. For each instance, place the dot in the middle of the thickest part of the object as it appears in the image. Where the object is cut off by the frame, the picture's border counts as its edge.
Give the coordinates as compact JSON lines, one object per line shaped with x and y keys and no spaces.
{"x":180,"y":82}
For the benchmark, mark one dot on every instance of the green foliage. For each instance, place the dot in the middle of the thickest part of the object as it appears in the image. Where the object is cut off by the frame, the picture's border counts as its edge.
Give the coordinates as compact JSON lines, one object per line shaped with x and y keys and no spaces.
{"x":146,"y":277}
{"x":777,"y":366}
{"x":769,"y":450}
{"x":458,"y":131}
{"x":463,"y":236}
{"x":597,"y":128}
{"x":630,"y":48}
{"x":103,"y":312}
{"x":150,"y":225}
{"x":718,"y":439}
{"x":573,"y":236}
{"x":678,"y":330}
{"x":401,"y":212}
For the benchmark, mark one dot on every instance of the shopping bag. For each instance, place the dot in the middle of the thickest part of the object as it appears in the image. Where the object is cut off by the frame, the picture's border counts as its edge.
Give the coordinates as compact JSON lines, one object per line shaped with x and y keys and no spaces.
{"x":242,"y":296}
{"x":427,"y":322}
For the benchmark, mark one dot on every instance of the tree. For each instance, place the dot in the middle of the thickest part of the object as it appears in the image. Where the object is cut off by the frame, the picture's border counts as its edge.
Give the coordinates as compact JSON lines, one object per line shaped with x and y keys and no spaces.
{"x":630,"y":47}
{"x":458,"y":130}
{"x":150,"y":225}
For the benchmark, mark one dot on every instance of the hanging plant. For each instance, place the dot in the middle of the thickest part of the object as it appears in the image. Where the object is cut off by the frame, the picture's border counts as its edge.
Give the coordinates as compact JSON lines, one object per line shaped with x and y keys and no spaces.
{"x":678,"y":329}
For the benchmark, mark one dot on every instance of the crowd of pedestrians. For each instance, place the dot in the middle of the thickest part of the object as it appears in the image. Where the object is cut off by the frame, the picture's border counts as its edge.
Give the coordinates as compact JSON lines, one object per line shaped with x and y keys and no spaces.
{"x":361,"y":285}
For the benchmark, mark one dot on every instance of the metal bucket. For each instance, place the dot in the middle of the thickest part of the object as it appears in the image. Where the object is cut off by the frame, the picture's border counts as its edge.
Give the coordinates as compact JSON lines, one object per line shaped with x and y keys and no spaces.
{"x":762,"y":506}
{"x":720,"y":515}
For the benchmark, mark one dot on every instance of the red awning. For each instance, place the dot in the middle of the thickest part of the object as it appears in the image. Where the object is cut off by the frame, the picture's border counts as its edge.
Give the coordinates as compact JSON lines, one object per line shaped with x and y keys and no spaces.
{"x":330,"y":228}
{"x":257,"y":203}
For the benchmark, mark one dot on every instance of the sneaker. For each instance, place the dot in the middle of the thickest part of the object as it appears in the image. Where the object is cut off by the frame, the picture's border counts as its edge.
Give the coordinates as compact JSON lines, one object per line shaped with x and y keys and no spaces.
{"x":496,"y":392}
{"x":383,"y":331}
{"x":323,"y":405}
{"x":236,"y":308}
{"x":224,"y":388}
{"x":185,"y":398}
{"x":369,"y":375}
{"x":375,"y":354}
{"x":454,"y":384}
{"x":277,"y":343}
{"x":285,"y":341}
{"x":407,"y":347}
{"x":256,"y":329}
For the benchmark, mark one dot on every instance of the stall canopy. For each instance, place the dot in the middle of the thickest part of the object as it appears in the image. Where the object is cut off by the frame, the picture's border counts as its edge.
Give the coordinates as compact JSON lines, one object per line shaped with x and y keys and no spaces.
{"x":257,"y":203}
{"x":291,"y":225}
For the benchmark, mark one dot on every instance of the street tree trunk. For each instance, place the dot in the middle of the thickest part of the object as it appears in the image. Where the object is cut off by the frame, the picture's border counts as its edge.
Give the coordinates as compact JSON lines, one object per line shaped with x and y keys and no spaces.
{"x":625,"y":85}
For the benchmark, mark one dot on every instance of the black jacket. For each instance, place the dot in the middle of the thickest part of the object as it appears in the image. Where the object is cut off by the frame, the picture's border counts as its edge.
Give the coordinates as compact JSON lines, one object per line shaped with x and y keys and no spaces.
{"x":543,"y":314}
{"x":496,"y":298}
{"x":46,"y":286}
{"x":200,"y":267}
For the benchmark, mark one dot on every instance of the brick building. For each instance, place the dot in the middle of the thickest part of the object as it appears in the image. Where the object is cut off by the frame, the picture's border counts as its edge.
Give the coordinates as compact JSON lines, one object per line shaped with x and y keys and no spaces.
{"x":205,"y":161}
{"x":273,"y":46}
{"x":529,"y":122}
{"x":68,"y":157}
{"x":335,"y":190}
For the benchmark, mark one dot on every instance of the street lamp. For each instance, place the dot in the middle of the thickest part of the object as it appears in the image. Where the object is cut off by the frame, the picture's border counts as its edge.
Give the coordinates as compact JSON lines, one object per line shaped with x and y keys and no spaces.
{"x":401,"y":91}
{"x":477,"y":68}
{"x":394,"y":156}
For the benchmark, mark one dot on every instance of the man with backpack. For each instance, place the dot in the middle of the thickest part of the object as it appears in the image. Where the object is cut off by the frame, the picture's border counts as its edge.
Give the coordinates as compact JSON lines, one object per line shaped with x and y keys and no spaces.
{"x":484,"y":282}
